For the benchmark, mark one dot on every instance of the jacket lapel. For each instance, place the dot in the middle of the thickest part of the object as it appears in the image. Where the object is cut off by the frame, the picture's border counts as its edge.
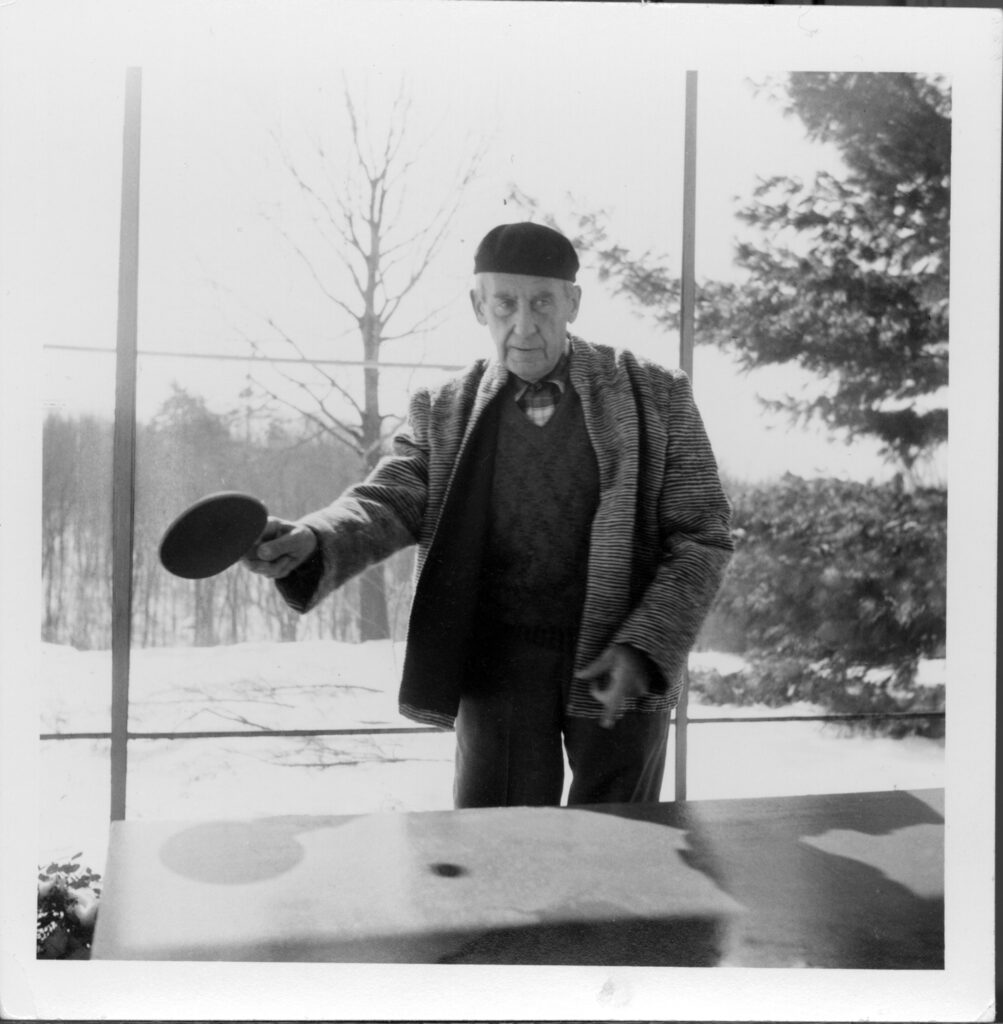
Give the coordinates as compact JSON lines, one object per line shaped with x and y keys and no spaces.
{"x":611,"y":418}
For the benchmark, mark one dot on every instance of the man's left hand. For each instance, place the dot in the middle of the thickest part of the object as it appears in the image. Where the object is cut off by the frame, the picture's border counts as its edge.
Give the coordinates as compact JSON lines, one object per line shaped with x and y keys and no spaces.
{"x":621,"y":671}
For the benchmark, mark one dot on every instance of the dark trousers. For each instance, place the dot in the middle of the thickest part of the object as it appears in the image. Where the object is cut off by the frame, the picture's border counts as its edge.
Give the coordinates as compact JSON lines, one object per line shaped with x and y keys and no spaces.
{"x":511,"y":725}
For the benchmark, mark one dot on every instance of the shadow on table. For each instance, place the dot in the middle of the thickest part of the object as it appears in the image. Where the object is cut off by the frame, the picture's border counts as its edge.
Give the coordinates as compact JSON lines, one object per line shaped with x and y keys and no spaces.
{"x":682,"y":942}
{"x":240,"y":852}
{"x":827,"y":881}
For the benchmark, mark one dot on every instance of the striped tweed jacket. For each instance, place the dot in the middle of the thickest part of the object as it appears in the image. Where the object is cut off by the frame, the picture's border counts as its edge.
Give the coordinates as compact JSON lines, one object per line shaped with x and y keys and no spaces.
{"x":660,"y":538}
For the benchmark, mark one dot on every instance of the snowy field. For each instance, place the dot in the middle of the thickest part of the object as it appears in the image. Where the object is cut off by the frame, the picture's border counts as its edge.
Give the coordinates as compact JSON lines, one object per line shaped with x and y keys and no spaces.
{"x":323,"y":684}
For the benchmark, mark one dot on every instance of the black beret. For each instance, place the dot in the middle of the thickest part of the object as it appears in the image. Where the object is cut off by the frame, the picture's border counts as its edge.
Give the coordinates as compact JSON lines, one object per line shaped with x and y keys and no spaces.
{"x":526,"y":248}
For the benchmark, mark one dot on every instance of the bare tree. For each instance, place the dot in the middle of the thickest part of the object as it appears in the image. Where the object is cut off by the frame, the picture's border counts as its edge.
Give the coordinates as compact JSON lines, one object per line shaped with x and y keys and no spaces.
{"x":378,"y":241}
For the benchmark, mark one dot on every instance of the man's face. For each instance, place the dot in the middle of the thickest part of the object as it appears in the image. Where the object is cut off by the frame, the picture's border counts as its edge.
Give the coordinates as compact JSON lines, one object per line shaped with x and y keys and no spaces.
{"x":528,"y":319}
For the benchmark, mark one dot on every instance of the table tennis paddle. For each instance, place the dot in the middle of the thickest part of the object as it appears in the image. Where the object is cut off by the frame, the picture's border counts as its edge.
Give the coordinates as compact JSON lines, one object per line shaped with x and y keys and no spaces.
{"x":212,"y":534}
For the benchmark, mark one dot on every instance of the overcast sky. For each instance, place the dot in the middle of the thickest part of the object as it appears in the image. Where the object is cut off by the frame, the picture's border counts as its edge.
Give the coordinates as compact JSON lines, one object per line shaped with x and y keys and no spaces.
{"x":558,"y":108}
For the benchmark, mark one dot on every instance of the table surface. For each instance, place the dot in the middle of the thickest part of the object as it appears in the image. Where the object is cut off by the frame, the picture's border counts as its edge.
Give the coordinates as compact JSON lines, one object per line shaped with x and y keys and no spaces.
{"x":845,"y":880}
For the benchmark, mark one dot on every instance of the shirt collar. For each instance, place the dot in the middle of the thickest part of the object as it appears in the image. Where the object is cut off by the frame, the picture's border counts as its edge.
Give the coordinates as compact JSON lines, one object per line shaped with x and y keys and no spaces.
{"x":559,"y":375}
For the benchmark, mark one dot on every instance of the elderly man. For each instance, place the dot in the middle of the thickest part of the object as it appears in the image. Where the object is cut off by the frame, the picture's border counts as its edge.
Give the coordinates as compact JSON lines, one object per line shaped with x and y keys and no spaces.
{"x":571,"y":531}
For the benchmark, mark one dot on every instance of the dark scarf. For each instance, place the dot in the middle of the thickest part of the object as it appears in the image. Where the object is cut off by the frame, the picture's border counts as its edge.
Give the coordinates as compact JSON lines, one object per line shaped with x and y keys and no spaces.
{"x":444,"y":609}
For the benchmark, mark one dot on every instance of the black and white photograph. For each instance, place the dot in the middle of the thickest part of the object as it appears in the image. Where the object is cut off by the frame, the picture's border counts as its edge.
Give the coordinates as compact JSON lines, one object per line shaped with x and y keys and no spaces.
{"x":499,"y":510}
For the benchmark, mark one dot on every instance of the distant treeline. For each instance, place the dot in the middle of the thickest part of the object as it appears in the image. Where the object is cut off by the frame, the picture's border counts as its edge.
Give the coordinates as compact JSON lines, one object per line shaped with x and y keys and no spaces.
{"x":184,"y":453}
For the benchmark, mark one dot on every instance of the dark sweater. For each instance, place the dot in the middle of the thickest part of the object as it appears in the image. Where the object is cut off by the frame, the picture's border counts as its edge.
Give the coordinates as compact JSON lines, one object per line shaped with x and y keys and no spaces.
{"x":544,"y":495}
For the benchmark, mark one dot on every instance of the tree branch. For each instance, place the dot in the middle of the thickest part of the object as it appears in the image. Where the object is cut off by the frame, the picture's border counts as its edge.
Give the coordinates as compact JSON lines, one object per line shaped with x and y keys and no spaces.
{"x":331,"y":380}
{"x":350,"y":438}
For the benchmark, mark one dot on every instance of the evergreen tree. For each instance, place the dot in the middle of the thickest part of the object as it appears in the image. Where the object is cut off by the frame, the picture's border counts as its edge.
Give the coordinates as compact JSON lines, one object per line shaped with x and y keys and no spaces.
{"x":849,"y":276}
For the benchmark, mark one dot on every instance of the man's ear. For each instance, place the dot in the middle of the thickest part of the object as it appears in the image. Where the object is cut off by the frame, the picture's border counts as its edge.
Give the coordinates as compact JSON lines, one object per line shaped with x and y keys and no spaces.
{"x":575,"y":294}
{"x":478,"y":303}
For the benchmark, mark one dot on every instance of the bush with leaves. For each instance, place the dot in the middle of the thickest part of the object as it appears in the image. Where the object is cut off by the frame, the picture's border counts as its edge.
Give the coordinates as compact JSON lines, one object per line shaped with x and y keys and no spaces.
{"x":67,"y":910}
{"x":836,"y":590}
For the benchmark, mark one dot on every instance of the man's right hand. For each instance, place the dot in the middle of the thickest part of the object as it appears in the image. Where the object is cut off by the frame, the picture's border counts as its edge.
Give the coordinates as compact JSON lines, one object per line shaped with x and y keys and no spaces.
{"x":281,"y":548}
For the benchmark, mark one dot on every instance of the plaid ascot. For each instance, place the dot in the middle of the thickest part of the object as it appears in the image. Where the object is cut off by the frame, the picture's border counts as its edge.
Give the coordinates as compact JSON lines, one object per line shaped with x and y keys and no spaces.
{"x":539,"y":400}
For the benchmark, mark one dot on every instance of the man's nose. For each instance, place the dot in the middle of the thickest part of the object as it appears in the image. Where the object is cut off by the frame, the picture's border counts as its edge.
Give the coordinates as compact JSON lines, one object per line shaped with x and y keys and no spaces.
{"x":524,"y":324}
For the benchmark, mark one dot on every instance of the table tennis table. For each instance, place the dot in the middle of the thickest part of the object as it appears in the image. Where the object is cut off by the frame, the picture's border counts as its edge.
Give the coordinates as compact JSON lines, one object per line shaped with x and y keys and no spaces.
{"x":851,"y":880}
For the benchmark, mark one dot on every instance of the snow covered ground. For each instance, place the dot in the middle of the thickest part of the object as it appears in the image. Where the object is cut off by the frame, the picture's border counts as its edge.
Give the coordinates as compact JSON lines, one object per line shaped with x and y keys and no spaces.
{"x":323,"y":684}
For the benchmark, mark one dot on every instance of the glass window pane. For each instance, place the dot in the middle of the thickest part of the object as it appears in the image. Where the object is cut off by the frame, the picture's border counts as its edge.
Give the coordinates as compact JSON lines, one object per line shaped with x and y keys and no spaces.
{"x":254,"y":383}
{"x":74,"y":775}
{"x":834,"y":601}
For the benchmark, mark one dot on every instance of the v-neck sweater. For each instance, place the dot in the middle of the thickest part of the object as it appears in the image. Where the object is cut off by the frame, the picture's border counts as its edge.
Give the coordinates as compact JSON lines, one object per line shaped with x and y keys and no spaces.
{"x":545,"y":491}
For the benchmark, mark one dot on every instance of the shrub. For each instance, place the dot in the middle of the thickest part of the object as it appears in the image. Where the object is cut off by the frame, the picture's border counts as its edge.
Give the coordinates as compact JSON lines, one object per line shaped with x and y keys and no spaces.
{"x":836,"y":590}
{"x":67,"y":910}
{"x":838,"y":687}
